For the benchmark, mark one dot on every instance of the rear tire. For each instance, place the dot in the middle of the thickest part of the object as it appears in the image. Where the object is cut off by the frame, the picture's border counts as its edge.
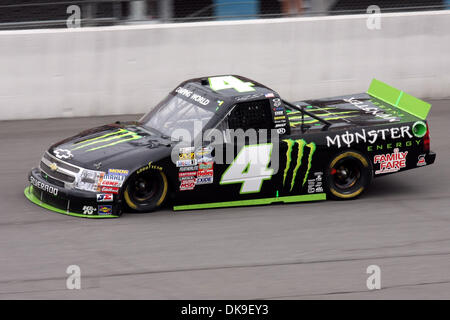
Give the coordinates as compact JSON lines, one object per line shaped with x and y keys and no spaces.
{"x":348,"y":175}
{"x":147,"y":191}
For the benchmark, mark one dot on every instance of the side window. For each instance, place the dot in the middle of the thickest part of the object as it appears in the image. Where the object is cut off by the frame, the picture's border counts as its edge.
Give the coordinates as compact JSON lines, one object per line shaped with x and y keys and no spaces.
{"x":251,"y":115}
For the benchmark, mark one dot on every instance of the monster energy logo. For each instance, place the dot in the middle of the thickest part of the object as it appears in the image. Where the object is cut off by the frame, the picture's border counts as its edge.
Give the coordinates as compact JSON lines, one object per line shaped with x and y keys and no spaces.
{"x":301,"y":144}
{"x":107,"y":140}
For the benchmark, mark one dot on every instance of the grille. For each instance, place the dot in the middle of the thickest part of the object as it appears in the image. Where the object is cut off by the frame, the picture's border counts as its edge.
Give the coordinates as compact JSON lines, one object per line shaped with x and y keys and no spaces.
{"x":56,"y":174}
{"x":62,"y":164}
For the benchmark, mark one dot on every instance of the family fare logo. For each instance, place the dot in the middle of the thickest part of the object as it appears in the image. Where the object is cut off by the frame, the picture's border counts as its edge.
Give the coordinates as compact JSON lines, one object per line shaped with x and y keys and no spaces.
{"x":349,"y":138}
{"x":390,"y":162}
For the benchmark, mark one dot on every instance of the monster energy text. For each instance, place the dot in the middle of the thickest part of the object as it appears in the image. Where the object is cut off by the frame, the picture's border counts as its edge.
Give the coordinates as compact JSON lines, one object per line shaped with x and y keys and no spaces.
{"x":349,"y":138}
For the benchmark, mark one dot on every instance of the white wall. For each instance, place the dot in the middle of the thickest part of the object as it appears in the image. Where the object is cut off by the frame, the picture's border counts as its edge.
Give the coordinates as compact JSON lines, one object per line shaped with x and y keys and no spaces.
{"x":127,"y":69}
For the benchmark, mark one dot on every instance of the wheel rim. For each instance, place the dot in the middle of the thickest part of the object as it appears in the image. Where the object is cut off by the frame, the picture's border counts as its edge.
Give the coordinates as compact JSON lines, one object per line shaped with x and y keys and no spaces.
{"x":144,"y":189}
{"x":346,"y":174}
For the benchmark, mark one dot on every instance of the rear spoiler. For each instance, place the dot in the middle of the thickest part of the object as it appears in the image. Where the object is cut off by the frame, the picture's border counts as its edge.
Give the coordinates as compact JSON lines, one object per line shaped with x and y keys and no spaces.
{"x":399,"y":99}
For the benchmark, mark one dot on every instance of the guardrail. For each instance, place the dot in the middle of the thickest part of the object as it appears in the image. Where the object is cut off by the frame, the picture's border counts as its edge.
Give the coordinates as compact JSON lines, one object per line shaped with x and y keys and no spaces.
{"x":128,"y":69}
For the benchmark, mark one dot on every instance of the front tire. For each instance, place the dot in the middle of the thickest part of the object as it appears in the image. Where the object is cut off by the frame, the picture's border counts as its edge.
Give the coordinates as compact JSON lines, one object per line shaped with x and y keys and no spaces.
{"x":147,"y":191}
{"x":348,"y":175}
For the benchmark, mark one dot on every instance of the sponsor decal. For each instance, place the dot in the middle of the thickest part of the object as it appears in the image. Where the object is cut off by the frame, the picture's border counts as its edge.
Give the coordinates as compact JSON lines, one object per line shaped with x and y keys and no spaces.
{"x":393,"y":145}
{"x":149,"y":166}
{"x":204,"y":180}
{"x":186,"y":156}
{"x":63,"y":154}
{"x":279,"y":118}
{"x":189,"y":168}
{"x":105,"y":197}
{"x":279,"y":125}
{"x":203,"y":173}
{"x":421,"y":161}
{"x":112,"y":180}
{"x":104,"y":210}
{"x":206,"y":165}
{"x":89,"y":210}
{"x":205,"y":160}
{"x":107,"y":140}
{"x":315,"y":185}
{"x":187,"y":174}
{"x":114,"y":190}
{"x":371,"y":136}
{"x":109,"y":183}
{"x":390,"y":162}
{"x":277,"y":103}
{"x":120,"y":172}
{"x":186,"y":150}
{"x":269,"y":95}
{"x":186,"y":163}
{"x":281,"y":130}
{"x":43,"y":186}
{"x":301,"y":145}
{"x":377,"y":112}
{"x":193,"y":96}
{"x":279,"y":113}
{"x":187,"y":184}
{"x":203,"y":151}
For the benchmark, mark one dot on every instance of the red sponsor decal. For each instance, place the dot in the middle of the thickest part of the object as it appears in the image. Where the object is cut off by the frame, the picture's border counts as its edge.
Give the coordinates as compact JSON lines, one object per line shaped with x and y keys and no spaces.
{"x":205,"y":173}
{"x":187,"y":174}
{"x":187,"y":184}
{"x":109,"y":183}
{"x":110,"y":190}
{"x":390,"y":162}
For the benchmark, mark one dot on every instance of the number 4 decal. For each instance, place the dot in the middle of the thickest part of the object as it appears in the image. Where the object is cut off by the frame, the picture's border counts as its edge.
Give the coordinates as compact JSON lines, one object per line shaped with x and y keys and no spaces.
{"x":250,"y":167}
{"x":230,"y":82}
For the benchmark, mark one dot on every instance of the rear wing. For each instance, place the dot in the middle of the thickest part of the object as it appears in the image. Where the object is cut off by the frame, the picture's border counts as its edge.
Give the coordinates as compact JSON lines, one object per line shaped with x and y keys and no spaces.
{"x":399,"y":99}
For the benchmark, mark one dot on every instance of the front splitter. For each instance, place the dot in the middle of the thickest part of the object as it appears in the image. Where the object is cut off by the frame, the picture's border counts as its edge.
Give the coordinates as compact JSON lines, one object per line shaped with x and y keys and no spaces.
{"x":30,"y":196}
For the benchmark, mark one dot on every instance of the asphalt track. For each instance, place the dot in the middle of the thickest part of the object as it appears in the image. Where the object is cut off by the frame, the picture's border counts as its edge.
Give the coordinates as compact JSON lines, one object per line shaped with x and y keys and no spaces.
{"x":299,"y":251}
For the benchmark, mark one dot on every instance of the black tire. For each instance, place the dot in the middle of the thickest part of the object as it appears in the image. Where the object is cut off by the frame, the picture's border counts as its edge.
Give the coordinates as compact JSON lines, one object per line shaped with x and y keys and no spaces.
{"x":348,"y":175}
{"x":147,"y":191}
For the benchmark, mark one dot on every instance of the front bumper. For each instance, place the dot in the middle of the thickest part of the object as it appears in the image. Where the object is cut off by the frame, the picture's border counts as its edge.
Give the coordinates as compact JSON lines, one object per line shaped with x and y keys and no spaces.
{"x":67,"y":201}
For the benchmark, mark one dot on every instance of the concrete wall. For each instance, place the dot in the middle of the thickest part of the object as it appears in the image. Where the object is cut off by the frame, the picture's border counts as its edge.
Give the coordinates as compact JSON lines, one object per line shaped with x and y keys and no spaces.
{"x":127,"y":69}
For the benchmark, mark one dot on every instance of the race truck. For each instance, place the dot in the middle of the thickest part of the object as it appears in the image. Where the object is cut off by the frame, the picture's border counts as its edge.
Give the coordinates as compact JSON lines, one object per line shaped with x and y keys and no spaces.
{"x":227,"y":141}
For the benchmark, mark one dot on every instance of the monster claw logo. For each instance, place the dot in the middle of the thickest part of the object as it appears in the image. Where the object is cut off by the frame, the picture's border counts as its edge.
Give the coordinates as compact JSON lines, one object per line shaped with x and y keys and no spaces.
{"x":301,"y":144}
{"x":107,"y":140}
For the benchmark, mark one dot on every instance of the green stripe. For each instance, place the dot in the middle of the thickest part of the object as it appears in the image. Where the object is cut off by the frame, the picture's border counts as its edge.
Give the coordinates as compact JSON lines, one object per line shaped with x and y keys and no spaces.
{"x":30,"y":196}
{"x":314,"y":121}
{"x":101,"y":137}
{"x":253,"y":202}
{"x":399,"y":98}
{"x":117,"y":142}
{"x":327,"y":114}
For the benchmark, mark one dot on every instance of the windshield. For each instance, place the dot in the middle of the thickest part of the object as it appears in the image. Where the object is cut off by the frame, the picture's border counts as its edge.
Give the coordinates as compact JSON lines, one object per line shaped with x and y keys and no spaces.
{"x":176,"y":113}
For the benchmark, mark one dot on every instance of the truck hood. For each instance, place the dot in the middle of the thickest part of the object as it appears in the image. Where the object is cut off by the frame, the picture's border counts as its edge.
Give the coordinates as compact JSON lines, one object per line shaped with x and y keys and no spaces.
{"x":105,"y":146}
